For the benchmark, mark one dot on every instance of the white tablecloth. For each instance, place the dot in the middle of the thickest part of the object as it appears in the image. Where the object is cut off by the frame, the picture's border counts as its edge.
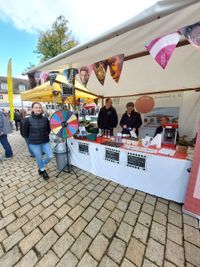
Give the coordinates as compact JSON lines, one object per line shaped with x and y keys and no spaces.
{"x":163,"y":176}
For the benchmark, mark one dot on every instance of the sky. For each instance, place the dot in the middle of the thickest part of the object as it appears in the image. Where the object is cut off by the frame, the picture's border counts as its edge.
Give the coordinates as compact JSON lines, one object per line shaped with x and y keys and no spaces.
{"x":21,"y":22}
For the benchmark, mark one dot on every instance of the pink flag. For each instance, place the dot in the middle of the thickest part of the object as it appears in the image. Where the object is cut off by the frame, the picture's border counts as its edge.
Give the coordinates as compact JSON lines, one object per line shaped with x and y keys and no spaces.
{"x":192,"y":33}
{"x":85,"y":73}
{"x":162,"y":48}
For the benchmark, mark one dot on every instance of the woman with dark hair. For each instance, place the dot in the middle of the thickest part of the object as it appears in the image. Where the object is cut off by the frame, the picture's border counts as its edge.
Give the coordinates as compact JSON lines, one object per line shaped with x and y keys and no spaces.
{"x":36,"y":129}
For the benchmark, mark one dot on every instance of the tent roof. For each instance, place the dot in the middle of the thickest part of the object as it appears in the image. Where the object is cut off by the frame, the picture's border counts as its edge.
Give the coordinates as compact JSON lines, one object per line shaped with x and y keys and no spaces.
{"x":44,"y":93}
{"x":140,"y":74}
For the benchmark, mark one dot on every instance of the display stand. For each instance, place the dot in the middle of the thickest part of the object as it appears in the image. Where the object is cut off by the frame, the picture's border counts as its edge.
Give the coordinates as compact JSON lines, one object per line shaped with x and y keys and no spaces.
{"x":64,"y":124}
{"x":67,"y":166}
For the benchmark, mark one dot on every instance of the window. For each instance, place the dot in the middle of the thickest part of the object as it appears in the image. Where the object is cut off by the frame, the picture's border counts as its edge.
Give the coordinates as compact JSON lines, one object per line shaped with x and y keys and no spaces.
{"x":22,"y":87}
{"x":1,"y":97}
{"x":4,"y":86}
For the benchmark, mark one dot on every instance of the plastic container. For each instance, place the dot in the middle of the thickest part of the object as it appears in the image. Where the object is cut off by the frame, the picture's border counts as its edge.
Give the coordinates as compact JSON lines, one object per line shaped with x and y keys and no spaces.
{"x":92,"y":137}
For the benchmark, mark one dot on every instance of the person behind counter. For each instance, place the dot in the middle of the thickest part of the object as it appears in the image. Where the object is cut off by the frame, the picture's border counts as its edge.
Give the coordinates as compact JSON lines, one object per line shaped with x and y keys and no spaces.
{"x":131,"y":120}
{"x":107,"y":118}
{"x":162,"y":121}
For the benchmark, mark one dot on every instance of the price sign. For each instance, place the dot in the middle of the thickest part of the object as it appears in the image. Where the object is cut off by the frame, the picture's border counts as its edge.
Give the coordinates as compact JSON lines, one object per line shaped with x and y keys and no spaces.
{"x":83,"y":148}
{"x":137,"y":161}
{"x":112,"y":155}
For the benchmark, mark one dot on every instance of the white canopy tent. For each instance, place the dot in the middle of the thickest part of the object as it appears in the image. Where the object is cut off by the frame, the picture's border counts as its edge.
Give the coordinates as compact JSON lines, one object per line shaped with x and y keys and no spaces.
{"x":141,"y":74}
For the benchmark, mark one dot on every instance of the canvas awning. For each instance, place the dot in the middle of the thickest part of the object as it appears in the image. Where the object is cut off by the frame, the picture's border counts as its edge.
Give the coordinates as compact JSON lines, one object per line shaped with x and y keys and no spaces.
{"x":140,"y":74}
{"x":43,"y":93}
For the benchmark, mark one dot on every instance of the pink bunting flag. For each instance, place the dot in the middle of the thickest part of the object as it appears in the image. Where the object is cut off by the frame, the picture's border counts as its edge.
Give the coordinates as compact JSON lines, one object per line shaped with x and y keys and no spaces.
{"x":100,"y":69}
{"x":163,"y":47}
{"x":115,"y":65}
{"x":192,"y":33}
{"x":85,"y":73}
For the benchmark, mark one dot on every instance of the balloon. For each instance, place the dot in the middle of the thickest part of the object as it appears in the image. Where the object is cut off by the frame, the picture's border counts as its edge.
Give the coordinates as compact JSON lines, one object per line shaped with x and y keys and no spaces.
{"x":144,"y":104}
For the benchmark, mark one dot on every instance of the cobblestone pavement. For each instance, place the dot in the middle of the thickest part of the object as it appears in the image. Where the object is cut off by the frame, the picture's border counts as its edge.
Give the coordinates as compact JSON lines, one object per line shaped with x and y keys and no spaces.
{"x":87,"y":221}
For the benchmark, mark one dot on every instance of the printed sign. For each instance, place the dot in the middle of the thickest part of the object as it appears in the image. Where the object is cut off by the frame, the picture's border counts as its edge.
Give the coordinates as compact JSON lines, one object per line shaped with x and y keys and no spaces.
{"x":83,"y":148}
{"x":112,"y":155}
{"x":137,"y":161}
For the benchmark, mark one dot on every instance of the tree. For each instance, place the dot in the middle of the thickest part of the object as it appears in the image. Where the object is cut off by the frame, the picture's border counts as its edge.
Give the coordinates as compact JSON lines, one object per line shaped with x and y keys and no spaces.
{"x":56,"y":40}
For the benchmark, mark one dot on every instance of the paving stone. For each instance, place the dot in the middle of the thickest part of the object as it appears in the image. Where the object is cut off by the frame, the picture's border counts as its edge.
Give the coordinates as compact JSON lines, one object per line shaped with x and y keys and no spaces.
{"x":155,"y":252}
{"x":93,"y":227}
{"x":158,"y":232}
{"x":139,"y":198}
{"x":109,"y":204}
{"x":124,"y":231}
{"x":68,"y":260}
{"x":162,"y":207}
{"x":93,"y":195}
{"x":3,"y":235}
{"x":127,"y":263}
{"x":89,"y":213}
{"x":107,"y":262}
{"x":134,"y":206}
{"x":175,"y":218}
{"x":117,"y":215}
{"x":9,"y":202}
{"x":148,"y":208}
{"x":30,"y":240}
{"x":98,"y":246}
{"x":49,"y":260}
{"x":130,"y":191}
{"x":81,"y":245}
{"x":114,"y":197}
{"x":32,"y":224}
{"x":192,"y":235}
{"x":10,"y":258}
{"x":175,"y":253}
{"x":13,"y":239}
{"x":145,"y":219}
{"x":160,"y":217}
{"x":29,"y":260}
{"x":35,"y":211}
{"x":192,"y":254}
{"x":168,"y":264}
{"x":48,"y":211}
{"x":105,"y":195}
{"x":116,"y":250}
{"x":76,"y":212}
{"x":62,"y":211}
{"x":15,"y":225}
{"x":110,"y":188}
{"x":77,"y":227}
{"x":126,"y":197}
{"x":60,"y":201}
{"x":20,"y":212}
{"x":175,"y":207}
{"x":175,"y":234}
{"x":74,"y":200}
{"x":190,"y":221}
{"x":63,"y":244}
{"x":38,"y":200}
{"x":148,"y":263}
{"x":46,"y":242}
{"x":85,"y":201}
{"x":130,"y":217}
{"x":97,"y":203}
{"x":88,"y":261}
{"x":109,"y":228}
{"x":6,"y":220}
{"x":48,"y":201}
{"x":48,"y":223}
{"x":150,"y":199}
{"x":141,"y":232}
{"x":135,"y":252}
{"x":10,"y":209}
{"x":122,"y":205}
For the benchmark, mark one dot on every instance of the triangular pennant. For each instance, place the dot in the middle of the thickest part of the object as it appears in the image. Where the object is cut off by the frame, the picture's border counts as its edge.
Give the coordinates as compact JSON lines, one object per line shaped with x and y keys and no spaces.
{"x":100,"y":69}
{"x":52,"y":77}
{"x":37,"y":78}
{"x":192,"y":33}
{"x":163,"y":47}
{"x":115,"y":65}
{"x":70,"y":75}
{"x":44,"y":77}
{"x":85,"y":73}
{"x":31,"y":77}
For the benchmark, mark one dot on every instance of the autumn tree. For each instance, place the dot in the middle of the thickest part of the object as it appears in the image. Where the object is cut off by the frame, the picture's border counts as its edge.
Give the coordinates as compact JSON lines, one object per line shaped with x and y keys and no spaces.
{"x":56,"y":40}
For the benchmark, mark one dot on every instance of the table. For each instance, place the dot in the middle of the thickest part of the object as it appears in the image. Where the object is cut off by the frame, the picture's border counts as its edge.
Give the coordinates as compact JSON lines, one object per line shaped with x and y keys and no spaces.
{"x":162,"y":176}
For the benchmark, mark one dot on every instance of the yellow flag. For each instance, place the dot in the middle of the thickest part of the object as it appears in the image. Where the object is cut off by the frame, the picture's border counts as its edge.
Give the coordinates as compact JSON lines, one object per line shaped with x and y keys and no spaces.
{"x":10,"y":89}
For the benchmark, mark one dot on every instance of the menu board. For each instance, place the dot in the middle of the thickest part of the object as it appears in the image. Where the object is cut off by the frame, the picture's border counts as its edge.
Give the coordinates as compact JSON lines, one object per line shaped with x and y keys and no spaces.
{"x":83,"y":148}
{"x":137,"y":161}
{"x":112,"y":155}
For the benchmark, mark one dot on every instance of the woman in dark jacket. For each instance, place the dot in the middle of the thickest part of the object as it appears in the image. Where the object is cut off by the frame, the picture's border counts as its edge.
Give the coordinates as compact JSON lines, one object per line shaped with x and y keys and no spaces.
{"x":36,"y":129}
{"x":131,"y":120}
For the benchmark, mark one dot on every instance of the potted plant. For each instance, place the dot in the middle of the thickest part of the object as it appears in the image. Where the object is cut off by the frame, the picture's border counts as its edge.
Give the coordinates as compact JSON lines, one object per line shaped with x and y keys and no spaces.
{"x":182,"y":144}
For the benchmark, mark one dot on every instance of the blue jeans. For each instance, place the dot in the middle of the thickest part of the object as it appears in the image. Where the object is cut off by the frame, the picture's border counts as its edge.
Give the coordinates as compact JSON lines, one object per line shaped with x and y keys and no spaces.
{"x":31,"y":153}
{"x":6,"y":145}
{"x":37,"y":150}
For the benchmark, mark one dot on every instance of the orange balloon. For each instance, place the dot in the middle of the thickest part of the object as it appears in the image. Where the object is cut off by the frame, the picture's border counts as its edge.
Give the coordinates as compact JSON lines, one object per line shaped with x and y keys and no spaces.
{"x":144,"y":104}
